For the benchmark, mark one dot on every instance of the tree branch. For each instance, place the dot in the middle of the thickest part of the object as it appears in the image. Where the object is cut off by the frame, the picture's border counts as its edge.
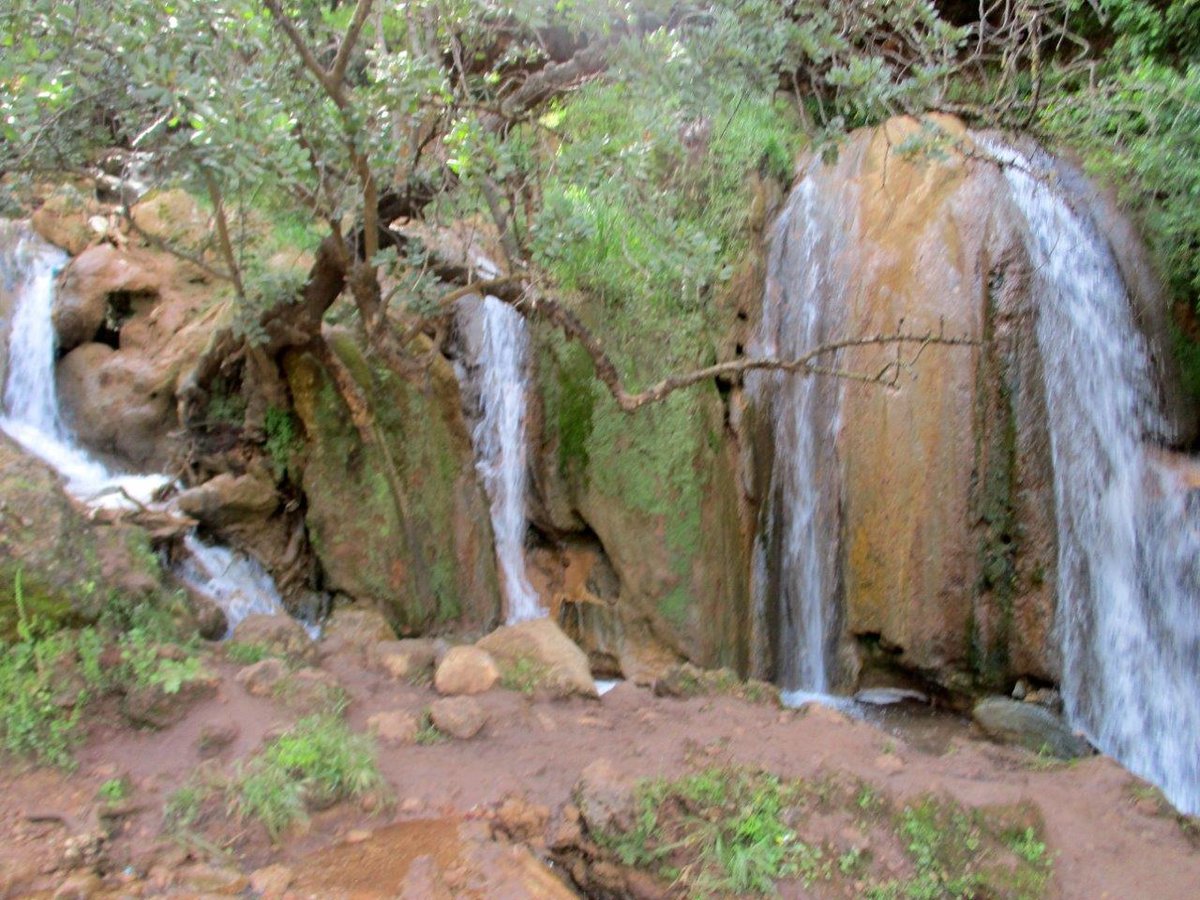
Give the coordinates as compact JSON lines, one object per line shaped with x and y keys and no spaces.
{"x":337,"y":72}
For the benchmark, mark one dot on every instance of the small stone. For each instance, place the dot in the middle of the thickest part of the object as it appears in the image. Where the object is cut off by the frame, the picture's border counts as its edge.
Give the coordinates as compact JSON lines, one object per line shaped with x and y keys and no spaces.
{"x":261,"y":678}
{"x":522,"y":820}
{"x":310,"y":690}
{"x":395,"y":726}
{"x":357,"y":835}
{"x":459,"y":717}
{"x":412,"y":805}
{"x":205,"y":879}
{"x":466,"y":670}
{"x":271,"y":882}
{"x":889,"y":763}
{"x":280,"y":635}
{"x":406,"y":658}
{"x":216,"y":737}
{"x":79,"y":886}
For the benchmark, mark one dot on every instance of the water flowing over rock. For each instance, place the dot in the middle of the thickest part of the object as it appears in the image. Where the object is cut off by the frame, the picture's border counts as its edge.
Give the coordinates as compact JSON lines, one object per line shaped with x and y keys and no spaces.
{"x":994,"y":513}
{"x":1128,"y":534}
{"x":31,"y":417}
{"x":497,"y":345}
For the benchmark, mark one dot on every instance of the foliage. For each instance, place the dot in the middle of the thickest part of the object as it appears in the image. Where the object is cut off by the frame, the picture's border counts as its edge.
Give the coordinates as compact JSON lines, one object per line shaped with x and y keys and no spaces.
{"x":316,"y":763}
{"x":523,"y":674}
{"x":48,"y":679}
{"x":428,"y":733}
{"x":283,"y":438}
{"x":718,"y":831}
{"x":1135,"y":116}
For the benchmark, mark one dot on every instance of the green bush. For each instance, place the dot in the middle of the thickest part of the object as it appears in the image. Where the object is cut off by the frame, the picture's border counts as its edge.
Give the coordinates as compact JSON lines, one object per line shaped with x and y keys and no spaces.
{"x":316,"y":763}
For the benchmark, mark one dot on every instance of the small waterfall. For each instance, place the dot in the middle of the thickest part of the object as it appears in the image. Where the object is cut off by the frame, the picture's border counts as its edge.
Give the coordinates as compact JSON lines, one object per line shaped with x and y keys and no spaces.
{"x":31,"y":417}
{"x":1129,"y":546}
{"x":498,"y":349}
{"x":796,"y":550}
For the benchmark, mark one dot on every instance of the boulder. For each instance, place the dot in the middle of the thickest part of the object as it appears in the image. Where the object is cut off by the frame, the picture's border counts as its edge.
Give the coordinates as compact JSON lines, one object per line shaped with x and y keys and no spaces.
{"x":228,"y":499}
{"x":152,"y":706}
{"x":397,"y":726}
{"x":466,"y":670}
{"x":408,"y":658}
{"x":261,"y":678}
{"x":65,"y":219}
{"x":1030,"y":725}
{"x":405,"y":528}
{"x":458,"y":717}
{"x":604,"y":797}
{"x":356,"y":628}
{"x":81,"y":304}
{"x":311,"y":690}
{"x":173,"y":217}
{"x":271,"y":882}
{"x":560,"y":665}
{"x":279,"y":635}
{"x":69,"y":564}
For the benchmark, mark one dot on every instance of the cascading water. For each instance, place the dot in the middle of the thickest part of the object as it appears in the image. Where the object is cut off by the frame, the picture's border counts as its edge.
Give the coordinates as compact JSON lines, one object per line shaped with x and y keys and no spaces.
{"x":1128,"y":545}
{"x":499,"y":353}
{"x":31,"y":417}
{"x":796,"y":549}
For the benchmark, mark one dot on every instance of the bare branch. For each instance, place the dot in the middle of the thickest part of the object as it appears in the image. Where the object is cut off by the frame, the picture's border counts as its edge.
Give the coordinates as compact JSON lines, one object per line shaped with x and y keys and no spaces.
{"x":306,"y":55}
{"x":337,"y":72}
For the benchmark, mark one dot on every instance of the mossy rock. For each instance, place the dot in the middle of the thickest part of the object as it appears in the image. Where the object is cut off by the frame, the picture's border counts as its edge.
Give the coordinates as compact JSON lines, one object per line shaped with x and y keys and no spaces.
{"x":397,"y":519}
{"x":69,"y":566}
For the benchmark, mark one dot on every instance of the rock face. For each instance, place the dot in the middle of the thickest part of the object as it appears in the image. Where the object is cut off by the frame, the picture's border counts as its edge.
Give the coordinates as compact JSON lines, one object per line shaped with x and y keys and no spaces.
{"x":560,"y":665}
{"x":945,"y":521}
{"x":397,"y":520}
{"x":69,"y":564}
{"x":1030,"y":725}
{"x":135,"y":323}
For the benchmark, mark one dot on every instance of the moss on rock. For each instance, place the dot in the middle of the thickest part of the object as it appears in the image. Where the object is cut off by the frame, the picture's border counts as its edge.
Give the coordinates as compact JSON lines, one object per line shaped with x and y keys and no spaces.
{"x":398,"y":520}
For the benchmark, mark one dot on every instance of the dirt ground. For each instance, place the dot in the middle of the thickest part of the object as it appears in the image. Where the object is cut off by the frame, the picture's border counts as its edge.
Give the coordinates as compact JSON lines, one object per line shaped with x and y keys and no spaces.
{"x":1107,"y":835}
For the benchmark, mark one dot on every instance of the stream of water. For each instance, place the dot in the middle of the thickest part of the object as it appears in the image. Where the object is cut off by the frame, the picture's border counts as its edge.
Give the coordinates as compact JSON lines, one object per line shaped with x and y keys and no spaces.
{"x":796,"y":549}
{"x":498,"y":348}
{"x":31,"y":417}
{"x":1128,"y":544}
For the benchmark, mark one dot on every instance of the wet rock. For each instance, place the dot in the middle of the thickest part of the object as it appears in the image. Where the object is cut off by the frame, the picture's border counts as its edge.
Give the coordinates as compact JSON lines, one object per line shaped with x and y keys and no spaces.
{"x":407,"y":658}
{"x":395,"y":727}
{"x":263,"y":677}
{"x":459,"y":717}
{"x":1029,"y":725}
{"x":278,"y":635}
{"x":558,"y":663}
{"x":228,"y":499}
{"x":431,"y":564}
{"x":271,"y":882}
{"x":466,"y":670}
{"x":522,"y":820}
{"x":604,"y":797}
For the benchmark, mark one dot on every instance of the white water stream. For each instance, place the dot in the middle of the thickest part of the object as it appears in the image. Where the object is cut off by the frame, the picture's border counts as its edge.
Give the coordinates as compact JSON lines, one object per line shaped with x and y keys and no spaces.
{"x":498,"y":350}
{"x":30,"y":416}
{"x":1128,"y":545}
{"x":796,"y":550}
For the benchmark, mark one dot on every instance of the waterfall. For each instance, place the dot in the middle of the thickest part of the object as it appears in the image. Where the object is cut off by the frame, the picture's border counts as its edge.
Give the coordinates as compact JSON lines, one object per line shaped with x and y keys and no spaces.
{"x":1128,"y":543}
{"x":497,"y":350}
{"x":30,"y":416}
{"x":796,"y":549}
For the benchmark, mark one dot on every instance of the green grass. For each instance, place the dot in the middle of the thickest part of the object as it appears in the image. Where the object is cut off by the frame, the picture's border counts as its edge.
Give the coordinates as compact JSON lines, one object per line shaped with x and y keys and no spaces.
{"x":428,"y":733}
{"x":315,"y":764}
{"x":737,"y":831}
{"x":524,"y":674}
